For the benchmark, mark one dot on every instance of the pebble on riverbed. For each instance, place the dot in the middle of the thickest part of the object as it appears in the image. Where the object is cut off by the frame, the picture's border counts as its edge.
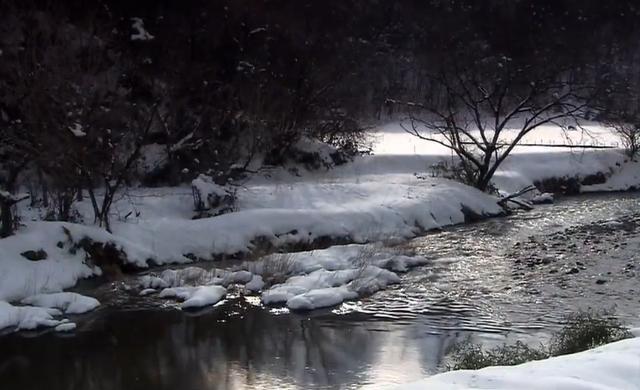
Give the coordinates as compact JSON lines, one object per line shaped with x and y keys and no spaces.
{"x":573,"y":270}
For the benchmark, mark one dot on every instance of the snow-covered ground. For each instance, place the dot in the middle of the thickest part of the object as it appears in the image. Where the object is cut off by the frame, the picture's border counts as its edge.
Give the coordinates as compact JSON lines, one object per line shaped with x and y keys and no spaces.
{"x":390,"y":195}
{"x":391,"y":138}
{"x":530,"y":163}
{"x":615,"y":366}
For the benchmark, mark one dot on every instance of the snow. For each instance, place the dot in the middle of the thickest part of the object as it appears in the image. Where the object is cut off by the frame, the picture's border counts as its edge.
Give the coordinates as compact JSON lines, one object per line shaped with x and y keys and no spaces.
{"x":147,"y":291}
{"x":194,"y":297}
{"x":7,"y":196}
{"x":322,"y":150}
{"x":323,"y":297}
{"x":338,"y":257}
{"x":324,"y":288}
{"x":76,"y":130}
{"x":254,"y":31}
{"x":401,"y":263}
{"x":531,"y":163}
{"x":615,"y":366}
{"x":194,"y":276}
{"x":392,"y":139}
{"x":151,"y":282}
{"x":308,"y":279}
{"x":207,"y":188}
{"x":625,"y":177}
{"x":20,"y":278}
{"x":45,"y":308}
{"x":140,"y":34}
{"x":331,"y":276}
{"x":542,"y":198}
{"x":26,"y":317}
{"x":68,"y":302}
{"x":362,"y":208}
{"x":66,"y":327}
{"x":255,"y":284}
{"x":302,"y":284}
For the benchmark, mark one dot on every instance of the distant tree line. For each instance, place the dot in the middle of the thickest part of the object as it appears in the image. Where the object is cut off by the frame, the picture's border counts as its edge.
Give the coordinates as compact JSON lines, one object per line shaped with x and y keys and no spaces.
{"x":91,"y":90}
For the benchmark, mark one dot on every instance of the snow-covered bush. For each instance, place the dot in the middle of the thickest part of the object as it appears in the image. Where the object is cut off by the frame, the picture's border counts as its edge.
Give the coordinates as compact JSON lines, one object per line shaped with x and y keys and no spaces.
{"x":314,"y":154}
{"x":542,"y":198}
{"x":345,"y":134}
{"x":210,"y":198}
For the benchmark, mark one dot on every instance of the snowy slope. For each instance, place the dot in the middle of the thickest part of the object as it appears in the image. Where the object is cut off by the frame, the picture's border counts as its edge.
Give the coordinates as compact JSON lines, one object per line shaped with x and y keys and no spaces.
{"x":20,"y":278}
{"x":615,"y":366}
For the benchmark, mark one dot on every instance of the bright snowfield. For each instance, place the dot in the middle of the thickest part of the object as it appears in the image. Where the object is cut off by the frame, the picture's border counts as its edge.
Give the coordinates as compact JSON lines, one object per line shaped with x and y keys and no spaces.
{"x":390,"y":195}
{"x":531,"y":163}
{"x":615,"y":366}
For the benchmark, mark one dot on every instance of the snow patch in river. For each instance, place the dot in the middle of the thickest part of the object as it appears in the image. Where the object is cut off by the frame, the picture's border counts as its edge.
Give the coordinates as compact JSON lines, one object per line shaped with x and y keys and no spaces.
{"x":68,"y":302}
{"x":195,"y":297}
{"x":301,"y":281}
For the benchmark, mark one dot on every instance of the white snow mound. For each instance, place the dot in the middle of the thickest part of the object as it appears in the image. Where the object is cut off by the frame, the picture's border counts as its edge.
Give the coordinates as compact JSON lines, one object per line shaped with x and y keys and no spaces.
{"x":68,"y":302}
{"x":194,"y":297}
{"x":26,"y":317}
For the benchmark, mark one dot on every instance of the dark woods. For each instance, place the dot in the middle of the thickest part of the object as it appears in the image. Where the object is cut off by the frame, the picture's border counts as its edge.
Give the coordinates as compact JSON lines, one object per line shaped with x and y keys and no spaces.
{"x":101,"y":94}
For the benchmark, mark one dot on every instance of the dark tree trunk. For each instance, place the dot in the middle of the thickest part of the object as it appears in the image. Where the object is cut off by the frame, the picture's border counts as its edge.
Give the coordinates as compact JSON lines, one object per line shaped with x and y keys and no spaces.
{"x":6,"y":216}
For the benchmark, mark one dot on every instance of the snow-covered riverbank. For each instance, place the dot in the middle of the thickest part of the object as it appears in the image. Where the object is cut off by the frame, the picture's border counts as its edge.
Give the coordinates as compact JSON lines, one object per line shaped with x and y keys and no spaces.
{"x":614,"y":366}
{"x":378,"y":207}
{"x":384,"y":196}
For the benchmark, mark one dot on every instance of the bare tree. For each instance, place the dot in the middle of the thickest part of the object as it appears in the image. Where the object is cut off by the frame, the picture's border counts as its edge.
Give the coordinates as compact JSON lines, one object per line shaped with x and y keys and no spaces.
{"x":109,"y":157}
{"x":482,"y":112}
{"x":619,"y":108}
{"x":629,"y":134}
{"x":14,"y":162}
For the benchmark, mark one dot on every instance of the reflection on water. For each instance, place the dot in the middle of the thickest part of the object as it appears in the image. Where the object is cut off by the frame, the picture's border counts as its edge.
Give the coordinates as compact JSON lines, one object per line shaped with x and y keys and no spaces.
{"x":169,"y":350}
{"x":498,"y":280}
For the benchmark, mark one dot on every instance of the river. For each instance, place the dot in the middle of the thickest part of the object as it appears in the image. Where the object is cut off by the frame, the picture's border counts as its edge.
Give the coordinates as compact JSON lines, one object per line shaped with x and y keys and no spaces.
{"x":501,"y":280}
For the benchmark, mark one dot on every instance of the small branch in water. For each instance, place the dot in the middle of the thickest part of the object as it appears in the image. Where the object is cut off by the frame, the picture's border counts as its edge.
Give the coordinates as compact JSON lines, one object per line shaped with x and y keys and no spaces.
{"x":511,"y":198}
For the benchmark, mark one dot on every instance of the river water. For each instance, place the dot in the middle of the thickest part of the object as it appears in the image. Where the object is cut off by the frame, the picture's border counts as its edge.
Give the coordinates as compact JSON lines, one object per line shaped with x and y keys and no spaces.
{"x":497,"y":281}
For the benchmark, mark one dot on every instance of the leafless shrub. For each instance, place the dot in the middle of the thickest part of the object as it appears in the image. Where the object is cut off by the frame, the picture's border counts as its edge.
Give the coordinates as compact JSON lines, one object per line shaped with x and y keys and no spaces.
{"x":274,"y":269}
{"x":629,"y":135}
{"x":361,"y":262}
